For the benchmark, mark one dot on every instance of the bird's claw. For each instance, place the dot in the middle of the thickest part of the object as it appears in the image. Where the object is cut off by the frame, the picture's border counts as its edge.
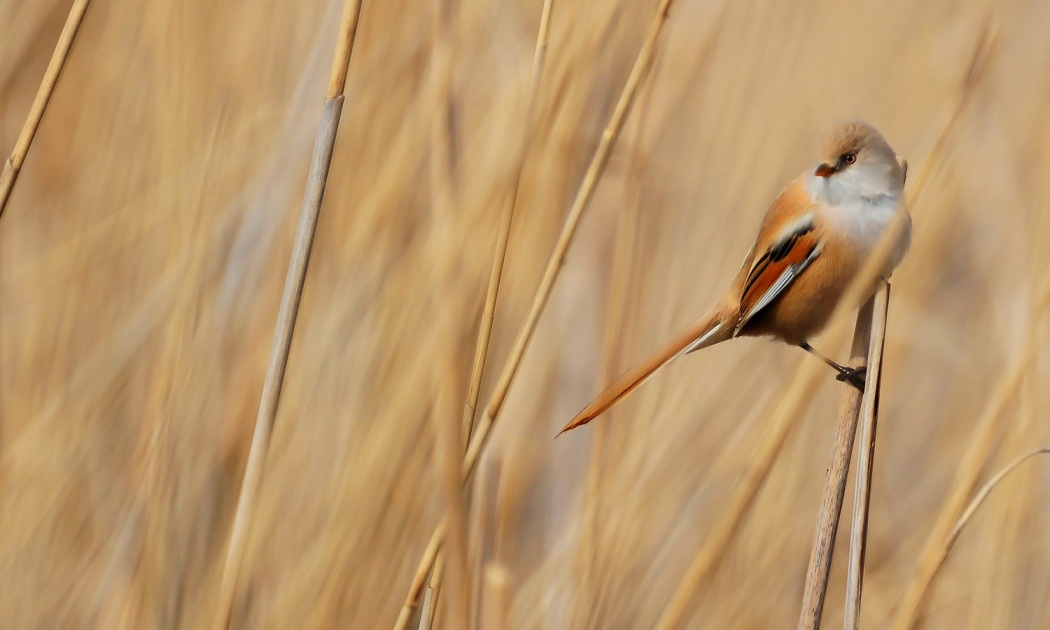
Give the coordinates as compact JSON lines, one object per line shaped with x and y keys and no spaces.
{"x":853,"y":376}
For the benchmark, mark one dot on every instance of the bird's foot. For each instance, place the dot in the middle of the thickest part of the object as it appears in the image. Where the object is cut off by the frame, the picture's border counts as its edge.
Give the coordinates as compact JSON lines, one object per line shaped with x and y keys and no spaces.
{"x":853,"y":376}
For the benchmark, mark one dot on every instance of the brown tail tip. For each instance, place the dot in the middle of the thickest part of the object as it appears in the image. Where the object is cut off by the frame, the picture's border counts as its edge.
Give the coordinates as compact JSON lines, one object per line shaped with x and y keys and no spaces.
{"x":578,"y":421}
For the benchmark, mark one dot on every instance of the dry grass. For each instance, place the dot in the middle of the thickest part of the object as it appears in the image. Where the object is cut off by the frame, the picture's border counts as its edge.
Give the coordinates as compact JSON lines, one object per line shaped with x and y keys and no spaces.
{"x":143,"y":250}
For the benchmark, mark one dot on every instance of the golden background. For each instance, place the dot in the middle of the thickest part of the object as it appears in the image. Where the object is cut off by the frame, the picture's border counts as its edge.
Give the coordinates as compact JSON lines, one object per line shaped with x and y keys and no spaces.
{"x":142,"y":256}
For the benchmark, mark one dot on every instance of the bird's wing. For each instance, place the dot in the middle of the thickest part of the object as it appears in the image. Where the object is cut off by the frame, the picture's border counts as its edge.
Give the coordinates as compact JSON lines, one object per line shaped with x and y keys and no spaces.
{"x":788,"y":243}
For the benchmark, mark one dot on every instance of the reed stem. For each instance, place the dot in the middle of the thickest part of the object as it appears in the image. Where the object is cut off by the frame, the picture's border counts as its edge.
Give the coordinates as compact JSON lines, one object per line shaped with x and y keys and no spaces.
{"x":13,"y":165}
{"x":869,"y":412}
{"x":295,"y":279}
{"x":835,"y":486}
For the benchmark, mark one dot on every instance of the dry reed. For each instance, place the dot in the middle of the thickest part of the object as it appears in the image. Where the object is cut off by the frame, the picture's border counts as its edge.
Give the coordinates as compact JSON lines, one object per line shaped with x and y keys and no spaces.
{"x":984,"y":438}
{"x":816,"y":585}
{"x":869,"y":414}
{"x":981,"y":495}
{"x":13,"y":165}
{"x":430,"y":564}
{"x":143,"y":251}
{"x":583,"y":196}
{"x":320,"y":164}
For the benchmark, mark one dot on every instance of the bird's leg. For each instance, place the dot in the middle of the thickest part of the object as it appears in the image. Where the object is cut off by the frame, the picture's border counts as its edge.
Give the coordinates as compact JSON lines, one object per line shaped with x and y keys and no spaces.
{"x":853,"y":376}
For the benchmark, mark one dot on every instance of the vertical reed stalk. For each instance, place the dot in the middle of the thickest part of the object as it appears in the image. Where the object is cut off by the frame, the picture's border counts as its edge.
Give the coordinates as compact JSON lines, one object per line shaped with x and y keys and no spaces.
{"x":430,"y":599}
{"x":446,"y":418}
{"x":289,"y":310}
{"x":869,"y":412}
{"x":428,"y":565}
{"x":13,"y":165}
{"x":619,"y":320}
{"x":835,"y":487}
{"x":580,"y":203}
{"x":502,"y":239}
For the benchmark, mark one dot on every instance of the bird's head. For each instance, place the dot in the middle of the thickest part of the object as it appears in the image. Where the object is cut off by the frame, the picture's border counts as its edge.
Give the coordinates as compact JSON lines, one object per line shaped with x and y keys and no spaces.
{"x":856,"y":163}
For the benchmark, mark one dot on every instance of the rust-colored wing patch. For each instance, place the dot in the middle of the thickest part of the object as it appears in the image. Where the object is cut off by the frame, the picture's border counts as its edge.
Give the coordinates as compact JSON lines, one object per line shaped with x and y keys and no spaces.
{"x":774,"y":271}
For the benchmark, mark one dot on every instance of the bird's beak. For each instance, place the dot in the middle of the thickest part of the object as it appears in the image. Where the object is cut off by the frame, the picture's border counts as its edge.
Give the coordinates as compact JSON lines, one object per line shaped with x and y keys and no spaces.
{"x":824,"y":170}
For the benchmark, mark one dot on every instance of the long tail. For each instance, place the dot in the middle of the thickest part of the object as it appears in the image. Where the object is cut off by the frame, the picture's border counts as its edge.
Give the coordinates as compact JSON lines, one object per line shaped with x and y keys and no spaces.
{"x":713,"y":327}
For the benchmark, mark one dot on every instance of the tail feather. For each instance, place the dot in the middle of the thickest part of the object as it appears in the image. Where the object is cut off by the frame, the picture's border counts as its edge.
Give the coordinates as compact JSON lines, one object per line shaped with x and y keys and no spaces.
{"x":708,"y":330}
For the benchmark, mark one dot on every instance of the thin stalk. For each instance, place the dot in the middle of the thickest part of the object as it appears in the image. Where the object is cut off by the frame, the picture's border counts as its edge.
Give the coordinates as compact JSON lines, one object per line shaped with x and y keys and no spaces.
{"x":835,"y":486}
{"x":979,"y":498}
{"x":286,"y":316}
{"x":984,"y":437}
{"x":344,"y":48}
{"x":982,"y":52}
{"x":580,"y":203}
{"x":449,"y":440}
{"x":13,"y":166}
{"x":419,"y":581}
{"x":427,"y":565}
{"x":727,"y":524}
{"x":584,"y":194}
{"x":869,"y":412}
{"x":503,"y":238}
{"x":430,"y":597}
{"x":816,"y":578}
{"x":623,"y":278}
{"x":486,"y":498}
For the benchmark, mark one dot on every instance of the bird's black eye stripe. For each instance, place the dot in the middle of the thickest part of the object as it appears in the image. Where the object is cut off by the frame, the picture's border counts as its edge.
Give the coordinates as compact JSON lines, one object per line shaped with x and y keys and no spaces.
{"x":848,"y":158}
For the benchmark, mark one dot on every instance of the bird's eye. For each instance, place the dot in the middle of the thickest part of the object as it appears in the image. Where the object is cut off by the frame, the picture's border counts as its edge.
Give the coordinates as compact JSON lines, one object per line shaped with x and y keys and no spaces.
{"x":849,"y":158}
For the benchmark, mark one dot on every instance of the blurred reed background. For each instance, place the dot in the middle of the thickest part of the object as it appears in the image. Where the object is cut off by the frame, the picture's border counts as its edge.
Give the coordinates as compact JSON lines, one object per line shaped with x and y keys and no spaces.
{"x":143,"y":252}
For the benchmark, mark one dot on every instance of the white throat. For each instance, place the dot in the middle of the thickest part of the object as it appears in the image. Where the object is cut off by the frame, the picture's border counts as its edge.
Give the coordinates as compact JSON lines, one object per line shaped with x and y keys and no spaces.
{"x":857,"y":183}
{"x":860,"y":213}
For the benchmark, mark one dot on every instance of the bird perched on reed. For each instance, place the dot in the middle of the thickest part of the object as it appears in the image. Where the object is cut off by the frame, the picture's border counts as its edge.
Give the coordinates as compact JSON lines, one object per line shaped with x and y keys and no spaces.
{"x":813,"y":241}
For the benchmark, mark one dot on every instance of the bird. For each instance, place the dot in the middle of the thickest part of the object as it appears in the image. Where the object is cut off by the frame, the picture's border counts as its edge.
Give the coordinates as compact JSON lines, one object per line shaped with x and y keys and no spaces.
{"x":813,"y":241}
